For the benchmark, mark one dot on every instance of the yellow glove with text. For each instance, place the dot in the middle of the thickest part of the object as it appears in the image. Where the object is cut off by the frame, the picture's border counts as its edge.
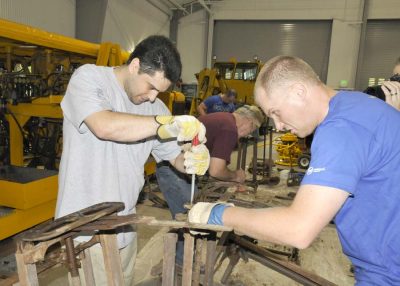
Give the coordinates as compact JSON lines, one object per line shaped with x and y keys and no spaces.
{"x":197,"y":160}
{"x":182,"y":127}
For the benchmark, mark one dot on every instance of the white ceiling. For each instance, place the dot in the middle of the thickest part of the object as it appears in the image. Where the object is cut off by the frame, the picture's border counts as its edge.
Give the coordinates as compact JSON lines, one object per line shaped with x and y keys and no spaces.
{"x":186,"y":6}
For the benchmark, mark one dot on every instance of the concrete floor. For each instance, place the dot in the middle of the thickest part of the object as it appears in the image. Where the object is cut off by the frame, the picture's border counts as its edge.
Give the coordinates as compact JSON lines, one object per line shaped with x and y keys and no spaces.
{"x":324,"y":257}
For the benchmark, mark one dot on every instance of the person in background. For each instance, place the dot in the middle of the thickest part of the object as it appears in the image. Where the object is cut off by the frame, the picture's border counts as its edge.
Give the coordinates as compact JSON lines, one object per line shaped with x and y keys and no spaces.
{"x":392,"y":88}
{"x":222,"y":102}
{"x":223,"y":131}
{"x":113,"y":121}
{"x":353,"y":176}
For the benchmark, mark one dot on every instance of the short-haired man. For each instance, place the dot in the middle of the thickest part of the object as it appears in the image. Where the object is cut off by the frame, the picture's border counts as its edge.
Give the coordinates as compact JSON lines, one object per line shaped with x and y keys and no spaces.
{"x":113,"y":121}
{"x":223,"y":102}
{"x":353,"y":176}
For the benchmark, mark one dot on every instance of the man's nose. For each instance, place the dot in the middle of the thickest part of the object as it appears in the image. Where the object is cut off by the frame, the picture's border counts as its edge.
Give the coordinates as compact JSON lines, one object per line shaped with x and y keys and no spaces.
{"x":152,"y":95}
{"x":279,"y":125}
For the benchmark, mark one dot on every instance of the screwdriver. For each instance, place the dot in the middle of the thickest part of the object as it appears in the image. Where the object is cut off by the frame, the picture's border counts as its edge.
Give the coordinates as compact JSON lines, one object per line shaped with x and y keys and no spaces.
{"x":195,"y":142}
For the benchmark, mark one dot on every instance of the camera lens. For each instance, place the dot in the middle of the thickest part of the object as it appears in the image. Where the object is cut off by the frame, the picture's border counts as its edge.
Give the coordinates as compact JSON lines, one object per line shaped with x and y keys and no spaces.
{"x":376,"y":91}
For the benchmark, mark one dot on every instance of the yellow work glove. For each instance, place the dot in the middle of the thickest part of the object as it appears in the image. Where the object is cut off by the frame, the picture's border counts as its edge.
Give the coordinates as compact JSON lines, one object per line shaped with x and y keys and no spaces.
{"x":197,"y":160}
{"x":183,"y":127}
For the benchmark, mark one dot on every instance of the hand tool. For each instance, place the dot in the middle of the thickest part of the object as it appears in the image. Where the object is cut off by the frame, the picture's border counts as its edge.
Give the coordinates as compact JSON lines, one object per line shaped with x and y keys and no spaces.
{"x":195,"y":142}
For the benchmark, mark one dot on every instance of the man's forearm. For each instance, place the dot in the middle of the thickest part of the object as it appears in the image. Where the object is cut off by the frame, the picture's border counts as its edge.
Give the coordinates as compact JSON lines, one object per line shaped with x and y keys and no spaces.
{"x":121,"y":127}
{"x":277,"y":225}
{"x":312,"y":209}
{"x":202,"y":109}
{"x":225,"y":175}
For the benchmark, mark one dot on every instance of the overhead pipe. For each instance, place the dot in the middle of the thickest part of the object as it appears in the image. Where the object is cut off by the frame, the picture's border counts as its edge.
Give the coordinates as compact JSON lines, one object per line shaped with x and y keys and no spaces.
{"x":202,"y":3}
{"x":178,"y":6}
{"x":361,"y":46}
{"x":160,"y":9}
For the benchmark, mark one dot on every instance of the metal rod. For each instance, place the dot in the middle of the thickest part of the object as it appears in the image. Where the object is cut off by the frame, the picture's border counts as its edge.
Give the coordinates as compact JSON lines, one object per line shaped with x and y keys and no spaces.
{"x":270,"y":154}
{"x":72,"y":265}
{"x":286,"y":268}
{"x":255,"y":160}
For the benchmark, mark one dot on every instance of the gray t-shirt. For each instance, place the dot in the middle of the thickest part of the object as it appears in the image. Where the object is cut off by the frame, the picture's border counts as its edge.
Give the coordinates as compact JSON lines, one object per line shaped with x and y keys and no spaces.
{"x":94,"y":170}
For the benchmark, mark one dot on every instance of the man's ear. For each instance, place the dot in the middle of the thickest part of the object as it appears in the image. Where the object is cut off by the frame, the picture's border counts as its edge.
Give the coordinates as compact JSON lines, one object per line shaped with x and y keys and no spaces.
{"x":298,"y":91}
{"x":134,"y":66}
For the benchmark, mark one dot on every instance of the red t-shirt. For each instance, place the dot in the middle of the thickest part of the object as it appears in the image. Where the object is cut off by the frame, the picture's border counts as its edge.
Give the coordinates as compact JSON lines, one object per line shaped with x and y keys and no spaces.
{"x":221,"y":134}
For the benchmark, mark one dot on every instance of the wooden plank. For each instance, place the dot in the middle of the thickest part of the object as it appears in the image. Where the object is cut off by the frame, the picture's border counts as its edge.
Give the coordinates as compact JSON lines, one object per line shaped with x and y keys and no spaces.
{"x":87,"y":267}
{"x":26,"y":272}
{"x":210,"y":263}
{"x":112,"y":222}
{"x":72,"y":263}
{"x":188,"y":260}
{"x":197,"y":262}
{"x":112,"y":261}
{"x":168,"y":275}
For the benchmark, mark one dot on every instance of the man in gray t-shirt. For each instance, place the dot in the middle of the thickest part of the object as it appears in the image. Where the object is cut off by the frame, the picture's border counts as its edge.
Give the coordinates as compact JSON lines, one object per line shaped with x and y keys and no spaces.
{"x":112,"y":123}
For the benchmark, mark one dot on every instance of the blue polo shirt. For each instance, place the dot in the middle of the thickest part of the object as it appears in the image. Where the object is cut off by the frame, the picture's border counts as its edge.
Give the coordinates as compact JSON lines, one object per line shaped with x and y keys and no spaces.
{"x":215,"y":104}
{"x":357,"y":149}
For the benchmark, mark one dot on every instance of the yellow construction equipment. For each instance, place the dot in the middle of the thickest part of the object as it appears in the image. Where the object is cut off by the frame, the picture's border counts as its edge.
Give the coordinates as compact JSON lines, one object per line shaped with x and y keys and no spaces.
{"x":35,"y":67}
{"x":240,"y":76}
{"x":288,"y":149}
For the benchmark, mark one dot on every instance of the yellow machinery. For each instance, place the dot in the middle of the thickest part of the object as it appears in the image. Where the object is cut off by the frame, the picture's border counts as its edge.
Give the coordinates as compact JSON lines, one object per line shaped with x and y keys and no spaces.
{"x":240,"y":76}
{"x":174,"y":100}
{"x":35,"y":67}
{"x":288,"y":148}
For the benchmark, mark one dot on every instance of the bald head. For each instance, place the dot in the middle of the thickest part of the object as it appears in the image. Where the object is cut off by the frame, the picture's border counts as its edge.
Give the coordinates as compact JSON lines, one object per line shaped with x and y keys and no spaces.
{"x":283,"y":71}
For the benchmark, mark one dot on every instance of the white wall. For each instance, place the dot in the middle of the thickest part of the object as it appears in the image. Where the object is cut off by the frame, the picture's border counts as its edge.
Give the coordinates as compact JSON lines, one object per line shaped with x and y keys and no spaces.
{"x":56,"y":16}
{"x":345,"y":14}
{"x":192,"y":36}
{"x":128,"y":22}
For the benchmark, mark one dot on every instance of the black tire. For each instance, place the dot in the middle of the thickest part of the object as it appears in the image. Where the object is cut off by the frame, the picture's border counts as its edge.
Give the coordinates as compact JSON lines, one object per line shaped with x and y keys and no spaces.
{"x":304,"y":161}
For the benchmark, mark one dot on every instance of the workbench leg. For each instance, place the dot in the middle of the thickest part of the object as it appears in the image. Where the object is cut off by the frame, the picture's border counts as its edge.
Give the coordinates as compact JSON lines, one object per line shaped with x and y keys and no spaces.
{"x":72,"y":263}
{"x":188,"y":260}
{"x":197,"y":262}
{"x":112,"y":261}
{"x":27,"y":274}
{"x":168,"y":273}
{"x":87,"y":267}
{"x":210,"y":263}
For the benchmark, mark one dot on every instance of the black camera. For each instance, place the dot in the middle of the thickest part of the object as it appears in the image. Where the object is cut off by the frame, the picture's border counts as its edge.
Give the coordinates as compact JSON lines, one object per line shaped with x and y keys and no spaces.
{"x":377,"y":91}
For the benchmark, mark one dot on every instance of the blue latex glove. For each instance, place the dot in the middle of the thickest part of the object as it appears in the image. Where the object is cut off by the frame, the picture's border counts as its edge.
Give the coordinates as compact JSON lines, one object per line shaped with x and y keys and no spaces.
{"x":216,"y":214}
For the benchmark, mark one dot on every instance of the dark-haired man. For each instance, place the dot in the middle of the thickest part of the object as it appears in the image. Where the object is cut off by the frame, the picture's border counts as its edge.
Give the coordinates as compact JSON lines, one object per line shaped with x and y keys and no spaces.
{"x":223,"y":102}
{"x":112,"y":123}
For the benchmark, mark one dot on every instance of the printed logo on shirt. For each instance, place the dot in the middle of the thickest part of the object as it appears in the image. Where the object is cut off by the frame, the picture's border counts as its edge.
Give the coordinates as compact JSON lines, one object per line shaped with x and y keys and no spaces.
{"x":221,"y":108}
{"x":311,"y":170}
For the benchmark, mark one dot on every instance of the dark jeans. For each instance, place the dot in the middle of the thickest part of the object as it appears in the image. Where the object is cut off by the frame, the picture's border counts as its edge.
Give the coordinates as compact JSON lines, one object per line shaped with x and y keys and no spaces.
{"x":175,"y":188}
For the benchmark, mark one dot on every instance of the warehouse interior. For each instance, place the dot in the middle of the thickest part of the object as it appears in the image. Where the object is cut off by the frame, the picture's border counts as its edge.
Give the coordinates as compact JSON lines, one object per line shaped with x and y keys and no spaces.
{"x":223,"y":44}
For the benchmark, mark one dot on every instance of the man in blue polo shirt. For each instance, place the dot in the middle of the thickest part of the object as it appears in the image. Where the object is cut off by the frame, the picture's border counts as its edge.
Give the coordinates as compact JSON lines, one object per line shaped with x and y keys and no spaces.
{"x":353,"y":178}
{"x":223,"y":102}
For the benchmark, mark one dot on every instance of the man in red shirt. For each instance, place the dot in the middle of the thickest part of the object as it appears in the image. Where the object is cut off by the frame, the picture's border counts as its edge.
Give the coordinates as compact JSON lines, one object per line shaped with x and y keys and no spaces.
{"x":223,"y":130}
